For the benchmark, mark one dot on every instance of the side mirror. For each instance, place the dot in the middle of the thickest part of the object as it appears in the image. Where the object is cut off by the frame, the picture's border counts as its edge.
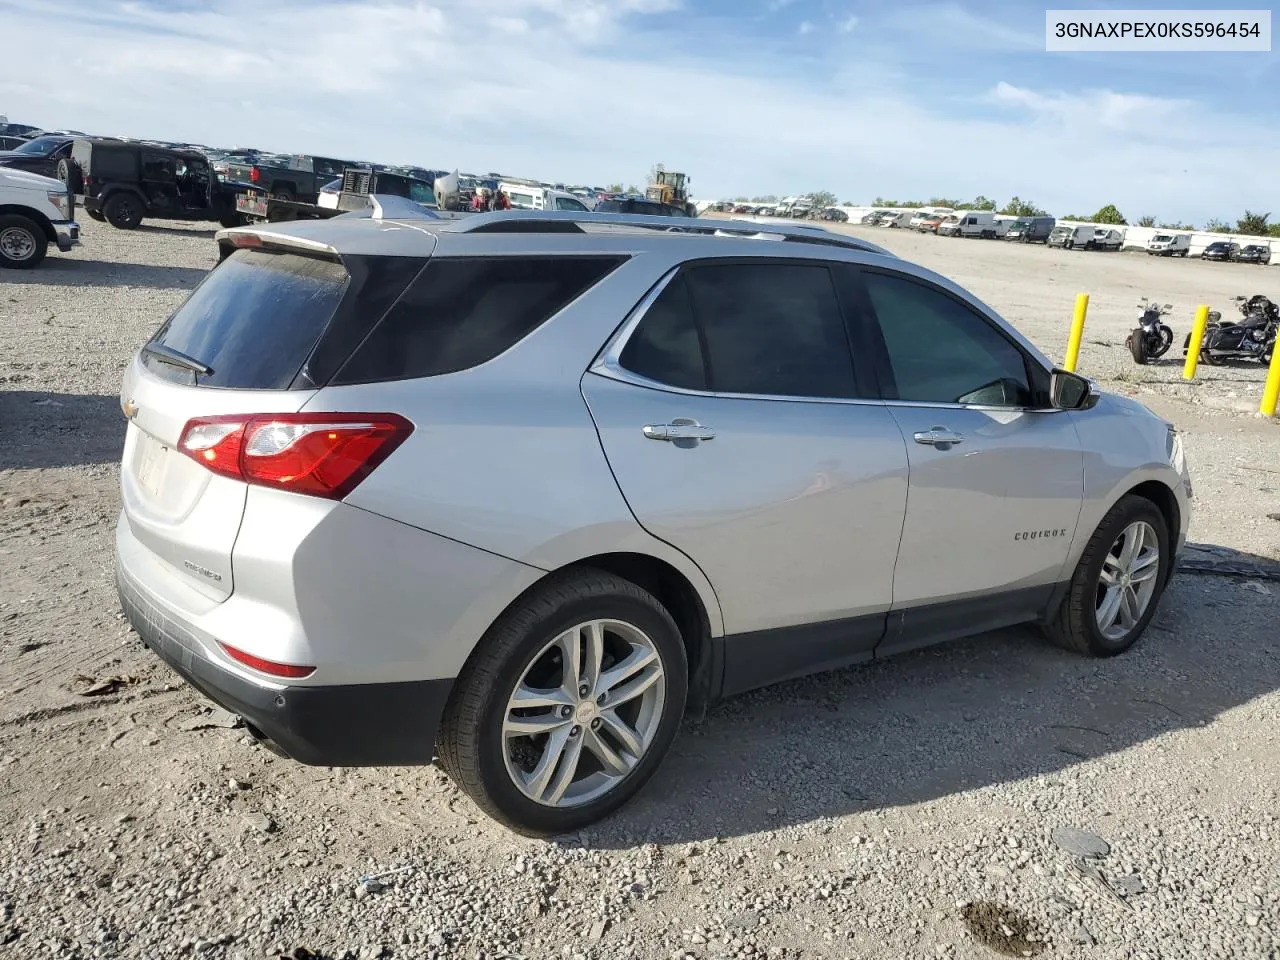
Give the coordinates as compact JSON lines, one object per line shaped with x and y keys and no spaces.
{"x":1070,"y":391}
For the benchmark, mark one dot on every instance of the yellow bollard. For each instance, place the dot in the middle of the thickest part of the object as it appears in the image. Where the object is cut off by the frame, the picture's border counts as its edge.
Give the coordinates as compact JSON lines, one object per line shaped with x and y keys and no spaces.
{"x":1077,"y":333}
{"x":1197,"y":338}
{"x":1271,"y":392}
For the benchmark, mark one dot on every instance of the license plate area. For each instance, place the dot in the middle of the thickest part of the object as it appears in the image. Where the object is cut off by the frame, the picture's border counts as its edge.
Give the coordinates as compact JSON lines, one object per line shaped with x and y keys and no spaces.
{"x":151,"y":466}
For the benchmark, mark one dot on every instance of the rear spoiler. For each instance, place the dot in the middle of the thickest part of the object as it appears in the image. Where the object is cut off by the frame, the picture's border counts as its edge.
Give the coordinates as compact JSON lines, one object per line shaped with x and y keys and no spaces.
{"x":261,"y":235}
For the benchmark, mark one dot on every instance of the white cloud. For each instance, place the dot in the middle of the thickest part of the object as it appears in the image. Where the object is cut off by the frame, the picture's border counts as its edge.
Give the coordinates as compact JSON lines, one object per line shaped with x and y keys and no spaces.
{"x":805,"y":27}
{"x":581,"y":92}
{"x":848,"y":24}
{"x":776,"y":5}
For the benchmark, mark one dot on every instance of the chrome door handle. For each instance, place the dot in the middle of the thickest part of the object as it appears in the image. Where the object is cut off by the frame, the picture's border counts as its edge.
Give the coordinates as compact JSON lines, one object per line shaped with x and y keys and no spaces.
{"x":679,"y":430}
{"x":939,"y":437}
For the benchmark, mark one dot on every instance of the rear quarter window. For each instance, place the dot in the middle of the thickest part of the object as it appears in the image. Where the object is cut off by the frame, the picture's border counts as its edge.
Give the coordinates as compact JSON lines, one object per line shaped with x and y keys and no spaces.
{"x":462,"y":312}
{"x":254,"y":319}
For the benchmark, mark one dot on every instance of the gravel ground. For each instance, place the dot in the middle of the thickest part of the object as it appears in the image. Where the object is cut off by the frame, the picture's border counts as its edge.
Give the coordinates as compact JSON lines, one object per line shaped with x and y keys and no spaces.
{"x":904,"y":809}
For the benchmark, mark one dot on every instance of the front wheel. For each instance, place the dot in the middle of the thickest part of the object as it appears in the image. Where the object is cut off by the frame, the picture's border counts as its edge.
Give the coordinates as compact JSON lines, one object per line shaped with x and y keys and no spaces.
{"x":1166,"y":341}
{"x":568,"y":705}
{"x":22,"y":242}
{"x":1117,"y":583}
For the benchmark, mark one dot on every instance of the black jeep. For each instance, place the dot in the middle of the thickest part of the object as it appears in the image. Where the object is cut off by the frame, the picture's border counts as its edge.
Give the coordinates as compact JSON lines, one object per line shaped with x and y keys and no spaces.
{"x":123,"y":182}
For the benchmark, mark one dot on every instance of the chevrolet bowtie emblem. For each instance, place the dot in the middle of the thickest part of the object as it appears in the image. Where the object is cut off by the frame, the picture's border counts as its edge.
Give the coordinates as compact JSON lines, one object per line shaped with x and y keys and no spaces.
{"x":130,"y":409}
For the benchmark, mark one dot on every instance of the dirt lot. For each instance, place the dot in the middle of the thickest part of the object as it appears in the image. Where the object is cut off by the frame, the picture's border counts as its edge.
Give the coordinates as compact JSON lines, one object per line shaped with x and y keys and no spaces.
{"x":872,"y":813}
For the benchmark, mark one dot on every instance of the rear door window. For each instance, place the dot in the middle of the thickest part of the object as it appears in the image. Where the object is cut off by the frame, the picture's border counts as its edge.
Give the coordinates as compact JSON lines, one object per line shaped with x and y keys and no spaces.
{"x":254,"y":320}
{"x":462,"y":312}
{"x":158,"y":166}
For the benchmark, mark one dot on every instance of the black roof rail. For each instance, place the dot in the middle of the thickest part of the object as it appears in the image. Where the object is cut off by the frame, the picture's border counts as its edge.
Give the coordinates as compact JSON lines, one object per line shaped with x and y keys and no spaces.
{"x":563,"y":221}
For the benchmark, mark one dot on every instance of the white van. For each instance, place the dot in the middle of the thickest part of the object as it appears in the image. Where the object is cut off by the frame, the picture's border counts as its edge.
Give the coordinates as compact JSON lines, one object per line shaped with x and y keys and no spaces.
{"x":1169,"y":245}
{"x":1105,"y":238}
{"x":928,"y":213}
{"x":526,"y":197}
{"x":1069,"y":236}
{"x":969,"y":223}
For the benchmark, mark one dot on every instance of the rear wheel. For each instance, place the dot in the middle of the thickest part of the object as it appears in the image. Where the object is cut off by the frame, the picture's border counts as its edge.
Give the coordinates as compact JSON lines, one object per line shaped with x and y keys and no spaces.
{"x":568,"y":705}
{"x":123,"y":211}
{"x":1117,"y":583}
{"x":282,"y":193}
{"x":1137,"y":344}
{"x":22,"y":242}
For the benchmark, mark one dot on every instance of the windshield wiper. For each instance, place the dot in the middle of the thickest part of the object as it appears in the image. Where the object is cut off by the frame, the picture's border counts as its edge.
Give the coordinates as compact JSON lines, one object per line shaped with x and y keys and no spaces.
{"x":176,"y":358}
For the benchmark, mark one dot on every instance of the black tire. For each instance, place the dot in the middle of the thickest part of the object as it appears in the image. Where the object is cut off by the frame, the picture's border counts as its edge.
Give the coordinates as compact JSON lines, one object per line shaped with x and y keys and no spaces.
{"x":23,"y":243}
{"x":1166,"y":341}
{"x":1074,"y":625}
{"x":282,"y":193}
{"x":95,"y":215}
{"x":233,"y":220}
{"x":123,"y":211}
{"x":470,"y":743}
{"x":1137,"y":344}
{"x":1183,"y":253}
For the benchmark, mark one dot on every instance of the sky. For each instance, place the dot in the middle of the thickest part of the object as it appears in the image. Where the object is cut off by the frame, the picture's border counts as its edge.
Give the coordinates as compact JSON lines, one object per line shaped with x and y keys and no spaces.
{"x":880,"y":98}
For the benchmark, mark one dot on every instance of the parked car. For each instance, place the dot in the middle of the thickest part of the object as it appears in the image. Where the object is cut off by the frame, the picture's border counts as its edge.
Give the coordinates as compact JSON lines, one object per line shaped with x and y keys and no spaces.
{"x":931,"y":222}
{"x":1221,"y":250}
{"x":125,"y":182}
{"x":1106,"y":239}
{"x":35,"y":211}
{"x":324,"y":528}
{"x":1169,"y":245}
{"x":970,"y":223}
{"x":834,"y":215}
{"x":1254,"y":253}
{"x":1030,"y":229}
{"x":8,"y":143}
{"x":43,"y":155}
{"x":638,"y":205}
{"x":294,"y":177}
{"x":1070,"y":235}
{"x":525,"y":197}
{"x":896,"y":219}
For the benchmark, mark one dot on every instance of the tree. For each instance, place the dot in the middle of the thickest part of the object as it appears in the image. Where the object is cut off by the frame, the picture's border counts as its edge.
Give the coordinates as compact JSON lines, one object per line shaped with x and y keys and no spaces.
{"x":823,"y":199}
{"x":614,"y":188}
{"x":1109,"y":214}
{"x":980,"y":203}
{"x":1253,"y":224}
{"x":1022,"y":208}
{"x":654,"y":171}
{"x":1176,"y":225}
{"x":944,"y":202}
{"x":1273,"y":230}
{"x":767,"y":198}
{"x":1147,"y":221}
{"x":1217,"y":226}
{"x":633,"y":189}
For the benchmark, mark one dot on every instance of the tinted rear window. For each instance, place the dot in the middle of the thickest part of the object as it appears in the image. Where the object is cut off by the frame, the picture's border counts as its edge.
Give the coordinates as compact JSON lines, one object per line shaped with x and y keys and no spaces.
{"x":254,"y":319}
{"x":462,"y":312}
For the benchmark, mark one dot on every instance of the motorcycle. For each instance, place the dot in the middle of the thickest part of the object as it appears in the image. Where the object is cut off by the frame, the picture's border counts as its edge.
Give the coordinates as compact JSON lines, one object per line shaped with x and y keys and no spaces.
{"x":1253,"y":338}
{"x":1150,"y":339}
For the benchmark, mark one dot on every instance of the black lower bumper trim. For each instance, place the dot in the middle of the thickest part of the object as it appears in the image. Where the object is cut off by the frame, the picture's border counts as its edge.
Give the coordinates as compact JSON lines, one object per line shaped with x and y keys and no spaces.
{"x":354,"y":725}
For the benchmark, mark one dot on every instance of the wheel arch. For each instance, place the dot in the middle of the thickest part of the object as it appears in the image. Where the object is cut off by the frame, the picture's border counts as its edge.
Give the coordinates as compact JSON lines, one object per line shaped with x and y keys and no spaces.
{"x":699,"y":623}
{"x":1166,"y":502}
{"x":32,"y":214}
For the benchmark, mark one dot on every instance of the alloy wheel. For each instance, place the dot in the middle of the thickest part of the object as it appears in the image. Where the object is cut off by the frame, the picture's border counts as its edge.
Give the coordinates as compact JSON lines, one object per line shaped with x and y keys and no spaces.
{"x":583,"y":713}
{"x":1128,"y":580}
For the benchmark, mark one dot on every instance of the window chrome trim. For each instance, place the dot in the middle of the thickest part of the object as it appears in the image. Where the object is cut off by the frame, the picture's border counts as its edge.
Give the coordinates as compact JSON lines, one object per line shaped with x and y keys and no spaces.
{"x":607,"y":364}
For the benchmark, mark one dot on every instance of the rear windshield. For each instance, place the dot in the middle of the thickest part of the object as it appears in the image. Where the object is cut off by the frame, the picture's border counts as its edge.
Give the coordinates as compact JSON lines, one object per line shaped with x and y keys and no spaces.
{"x":254,"y":319}
{"x":462,"y":312}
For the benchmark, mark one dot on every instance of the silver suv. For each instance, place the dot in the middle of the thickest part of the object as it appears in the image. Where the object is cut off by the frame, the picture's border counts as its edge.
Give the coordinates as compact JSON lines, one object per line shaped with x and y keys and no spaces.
{"x":516,"y":490}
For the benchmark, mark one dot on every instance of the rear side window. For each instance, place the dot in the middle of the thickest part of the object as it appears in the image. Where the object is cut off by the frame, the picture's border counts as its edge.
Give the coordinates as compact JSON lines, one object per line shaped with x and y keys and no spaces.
{"x":761,"y":328}
{"x":254,"y":319}
{"x":773,"y":329}
{"x":462,"y":312}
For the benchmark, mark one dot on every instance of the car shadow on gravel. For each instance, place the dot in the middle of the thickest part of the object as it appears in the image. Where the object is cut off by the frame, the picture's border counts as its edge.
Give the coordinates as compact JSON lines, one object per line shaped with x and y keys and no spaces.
{"x":992,"y":710}
{"x":39,"y":429}
{"x":73,"y":272}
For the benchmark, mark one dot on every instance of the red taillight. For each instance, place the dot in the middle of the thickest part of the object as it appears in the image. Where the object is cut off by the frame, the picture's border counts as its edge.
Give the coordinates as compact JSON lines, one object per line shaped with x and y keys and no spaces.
{"x":255,"y":174}
{"x":320,"y":454}
{"x":240,"y":240}
{"x":289,"y":670}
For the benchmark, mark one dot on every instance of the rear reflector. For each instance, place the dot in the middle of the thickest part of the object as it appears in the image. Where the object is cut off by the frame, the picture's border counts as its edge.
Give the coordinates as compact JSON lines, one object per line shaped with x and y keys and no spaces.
{"x":245,"y":240}
{"x":321,"y":454}
{"x":288,"y":670}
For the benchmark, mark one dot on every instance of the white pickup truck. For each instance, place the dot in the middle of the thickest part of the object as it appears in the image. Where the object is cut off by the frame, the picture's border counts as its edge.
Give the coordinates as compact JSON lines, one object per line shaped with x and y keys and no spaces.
{"x":35,"y":211}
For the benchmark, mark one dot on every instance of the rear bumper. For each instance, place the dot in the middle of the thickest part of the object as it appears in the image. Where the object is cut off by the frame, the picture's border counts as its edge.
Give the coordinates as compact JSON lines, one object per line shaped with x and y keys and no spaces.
{"x":352,"y":725}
